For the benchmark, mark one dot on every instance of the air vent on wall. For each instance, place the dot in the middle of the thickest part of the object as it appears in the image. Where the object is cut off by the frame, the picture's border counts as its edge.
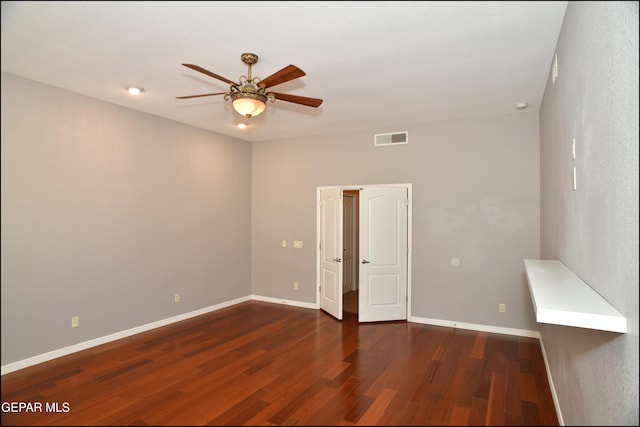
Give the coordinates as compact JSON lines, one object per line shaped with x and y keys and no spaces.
{"x":391,"y":138}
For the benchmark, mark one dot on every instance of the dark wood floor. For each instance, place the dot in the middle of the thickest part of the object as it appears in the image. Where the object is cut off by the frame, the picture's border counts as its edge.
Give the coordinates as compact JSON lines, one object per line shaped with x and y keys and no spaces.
{"x":350,"y":302}
{"x":258,"y":363}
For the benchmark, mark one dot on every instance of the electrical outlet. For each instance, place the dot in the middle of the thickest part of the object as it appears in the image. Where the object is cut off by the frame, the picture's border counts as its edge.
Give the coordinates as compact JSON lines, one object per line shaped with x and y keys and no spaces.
{"x":296,"y":286}
{"x":75,"y":321}
{"x":176,"y":298}
{"x":502,"y":308}
{"x":297,"y":244}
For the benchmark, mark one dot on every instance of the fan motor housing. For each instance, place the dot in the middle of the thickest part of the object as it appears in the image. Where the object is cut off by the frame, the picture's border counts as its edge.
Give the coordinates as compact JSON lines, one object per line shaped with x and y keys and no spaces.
{"x":253,"y":95}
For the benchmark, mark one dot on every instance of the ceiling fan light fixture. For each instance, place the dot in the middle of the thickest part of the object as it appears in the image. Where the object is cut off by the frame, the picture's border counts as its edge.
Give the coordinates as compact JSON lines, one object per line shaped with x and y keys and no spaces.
{"x":249,"y":104}
{"x":249,"y":96}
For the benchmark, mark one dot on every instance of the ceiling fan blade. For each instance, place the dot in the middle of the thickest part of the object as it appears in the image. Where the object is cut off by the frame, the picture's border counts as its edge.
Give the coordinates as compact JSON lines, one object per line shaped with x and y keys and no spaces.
{"x":289,"y":72}
{"x":303,"y":100}
{"x":198,"y":96}
{"x":210,"y":74}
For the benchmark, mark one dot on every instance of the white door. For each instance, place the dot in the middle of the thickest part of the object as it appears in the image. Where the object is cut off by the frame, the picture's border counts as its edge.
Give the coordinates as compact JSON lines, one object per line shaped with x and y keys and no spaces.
{"x":331,"y":251}
{"x":383,"y":254}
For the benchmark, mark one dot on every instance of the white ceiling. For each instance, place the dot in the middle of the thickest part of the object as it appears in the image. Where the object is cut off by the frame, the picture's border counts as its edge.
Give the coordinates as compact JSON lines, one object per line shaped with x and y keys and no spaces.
{"x":377,"y":65}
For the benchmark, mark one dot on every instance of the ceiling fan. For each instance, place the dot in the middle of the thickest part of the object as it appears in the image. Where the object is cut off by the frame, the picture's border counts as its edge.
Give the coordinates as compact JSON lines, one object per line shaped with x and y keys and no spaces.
{"x":249,"y":96}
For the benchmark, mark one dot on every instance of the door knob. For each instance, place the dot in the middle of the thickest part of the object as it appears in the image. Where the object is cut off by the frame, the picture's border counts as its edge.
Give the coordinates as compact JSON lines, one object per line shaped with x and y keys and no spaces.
{"x":337,"y":260}
{"x":364,"y":261}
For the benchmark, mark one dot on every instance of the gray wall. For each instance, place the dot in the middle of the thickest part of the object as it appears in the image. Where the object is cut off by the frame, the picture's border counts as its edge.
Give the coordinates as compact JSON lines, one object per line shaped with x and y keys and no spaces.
{"x":594,"y":230}
{"x":475,"y":197}
{"x":107,"y":213}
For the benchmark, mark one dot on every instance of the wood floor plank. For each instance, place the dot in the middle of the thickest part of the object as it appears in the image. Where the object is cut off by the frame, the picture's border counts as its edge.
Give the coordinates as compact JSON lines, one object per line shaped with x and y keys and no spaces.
{"x":479,"y":345}
{"x":257,"y":363}
{"x":497,"y":394}
{"x":377,"y":408}
{"x":478,"y":413}
{"x":460,"y":416}
{"x":512,"y":401}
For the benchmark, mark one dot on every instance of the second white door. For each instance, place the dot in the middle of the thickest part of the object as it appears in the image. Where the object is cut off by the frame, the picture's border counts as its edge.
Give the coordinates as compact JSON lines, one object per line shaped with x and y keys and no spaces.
{"x":383,"y":254}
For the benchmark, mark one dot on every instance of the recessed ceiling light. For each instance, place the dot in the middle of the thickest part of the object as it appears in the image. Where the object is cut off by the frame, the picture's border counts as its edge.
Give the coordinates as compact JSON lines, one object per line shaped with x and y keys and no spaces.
{"x":134,"y":90}
{"x":521,"y":105}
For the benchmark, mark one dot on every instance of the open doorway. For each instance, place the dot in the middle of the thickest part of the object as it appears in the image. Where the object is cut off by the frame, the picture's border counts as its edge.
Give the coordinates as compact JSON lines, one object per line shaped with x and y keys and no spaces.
{"x":381,"y":259}
{"x":350,"y":239}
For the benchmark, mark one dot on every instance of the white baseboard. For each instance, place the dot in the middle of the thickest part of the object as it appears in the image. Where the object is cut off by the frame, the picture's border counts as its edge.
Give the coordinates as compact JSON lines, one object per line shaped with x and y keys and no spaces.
{"x":556,"y":403}
{"x":285,"y":301}
{"x":475,"y":327}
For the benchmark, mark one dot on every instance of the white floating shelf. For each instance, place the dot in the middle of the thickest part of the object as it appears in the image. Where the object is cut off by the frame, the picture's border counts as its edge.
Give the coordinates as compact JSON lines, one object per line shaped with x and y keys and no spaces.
{"x":560,"y":297}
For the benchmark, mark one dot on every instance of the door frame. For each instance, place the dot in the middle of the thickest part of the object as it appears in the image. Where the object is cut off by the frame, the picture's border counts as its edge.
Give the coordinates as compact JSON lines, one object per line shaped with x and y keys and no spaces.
{"x":408,"y":187}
